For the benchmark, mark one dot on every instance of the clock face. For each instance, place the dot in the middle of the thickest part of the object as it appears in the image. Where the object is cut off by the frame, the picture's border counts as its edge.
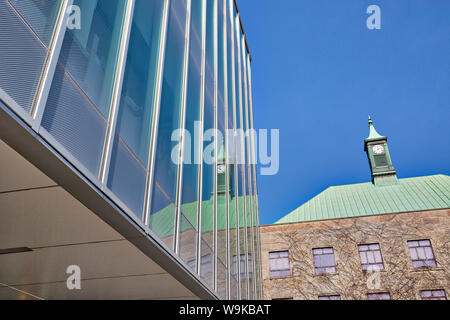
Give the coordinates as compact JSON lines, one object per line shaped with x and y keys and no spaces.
{"x":378,"y":149}
{"x":220,"y":168}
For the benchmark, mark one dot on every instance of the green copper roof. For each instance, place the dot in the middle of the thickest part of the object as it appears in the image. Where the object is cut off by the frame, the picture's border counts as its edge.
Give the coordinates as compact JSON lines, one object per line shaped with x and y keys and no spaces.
{"x":373,"y":134}
{"x":365,"y":199}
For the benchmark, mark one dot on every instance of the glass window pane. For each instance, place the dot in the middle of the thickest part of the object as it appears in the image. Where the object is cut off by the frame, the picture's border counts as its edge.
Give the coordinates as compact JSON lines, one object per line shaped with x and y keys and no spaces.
{"x":421,"y":253}
{"x":429,"y":253}
{"x":370,"y":257}
{"x":413,"y":252}
{"x":418,"y":263}
{"x":80,"y":96}
{"x":41,"y":15}
{"x":413,"y":243}
{"x":363,"y":257}
{"x":188,"y":243}
{"x":377,"y":255}
{"x":128,"y":171}
{"x":363,"y":248}
{"x":166,"y":171}
{"x":189,"y":195}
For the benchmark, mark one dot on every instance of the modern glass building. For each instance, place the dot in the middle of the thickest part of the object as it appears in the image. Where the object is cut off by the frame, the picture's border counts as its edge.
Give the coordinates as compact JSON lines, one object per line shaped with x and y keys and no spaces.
{"x":114,"y":101}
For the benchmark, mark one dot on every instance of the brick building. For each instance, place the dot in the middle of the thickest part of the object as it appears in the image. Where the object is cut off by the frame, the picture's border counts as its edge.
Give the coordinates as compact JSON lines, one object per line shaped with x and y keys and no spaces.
{"x":385,"y":239}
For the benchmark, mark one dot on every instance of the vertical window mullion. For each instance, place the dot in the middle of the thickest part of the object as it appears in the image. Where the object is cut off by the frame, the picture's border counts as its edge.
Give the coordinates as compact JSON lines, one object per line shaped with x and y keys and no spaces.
{"x":48,"y":72}
{"x":115,"y":101}
{"x":200,"y":142}
{"x":182,"y":127}
{"x":155,"y":122}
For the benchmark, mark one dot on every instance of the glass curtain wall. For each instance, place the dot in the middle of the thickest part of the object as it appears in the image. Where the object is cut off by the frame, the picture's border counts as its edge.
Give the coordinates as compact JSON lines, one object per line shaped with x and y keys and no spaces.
{"x":24,"y":46}
{"x":192,"y":153}
{"x":185,"y":66}
{"x":164,"y":192}
{"x":130,"y":155}
{"x":231,"y":157}
{"x":253,"y":143}
{"x":208,"y":162}
{"x":240,"y":160}
{"x":249,"y":200}
{"x":222,"y":196}
{"x":79,"y":102}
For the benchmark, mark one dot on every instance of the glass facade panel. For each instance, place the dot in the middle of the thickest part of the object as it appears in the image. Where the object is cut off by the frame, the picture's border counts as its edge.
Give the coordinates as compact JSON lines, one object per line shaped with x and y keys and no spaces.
{"x":222,"y":204}
{"x":188,"y":243}
{"x":249,"y":201}
{"x":240,"y":155}
{"x":79,"y":102}
{"x":166,"y":170}
{"x":233,"y":212}
{"x":129,"y":162}
{"x":185,"y":66}
{"x":206,"y":263}
{"x":41,"y":15}
{"x":208,"y":175}
{"x":192,"y":152}
{"x":26,"y":28}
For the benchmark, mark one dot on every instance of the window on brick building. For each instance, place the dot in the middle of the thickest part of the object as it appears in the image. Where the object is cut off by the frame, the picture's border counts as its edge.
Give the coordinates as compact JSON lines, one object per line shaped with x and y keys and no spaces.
{"x":370,"y":255}
{"x":279,"y":264}
{"x":379,"y":296}
{"x":433,"y":294}
{"x":333,"y":297}
{"x":422,"y":253}
{"x":324,"y":260}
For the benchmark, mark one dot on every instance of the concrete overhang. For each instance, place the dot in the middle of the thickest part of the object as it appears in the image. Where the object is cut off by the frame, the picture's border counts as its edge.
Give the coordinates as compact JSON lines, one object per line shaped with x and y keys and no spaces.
{"x":52,"y":217}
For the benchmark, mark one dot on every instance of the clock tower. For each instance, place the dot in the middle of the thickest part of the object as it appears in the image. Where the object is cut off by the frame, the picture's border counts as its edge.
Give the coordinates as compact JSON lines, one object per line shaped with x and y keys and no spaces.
{"x":381,"y":168}
{"x":222,"y":172}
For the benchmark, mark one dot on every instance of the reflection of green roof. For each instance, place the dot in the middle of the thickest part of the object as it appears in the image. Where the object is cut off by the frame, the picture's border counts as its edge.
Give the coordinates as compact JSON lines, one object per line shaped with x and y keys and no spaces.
{"x":163,"y":220}
{"x":365,"y":199}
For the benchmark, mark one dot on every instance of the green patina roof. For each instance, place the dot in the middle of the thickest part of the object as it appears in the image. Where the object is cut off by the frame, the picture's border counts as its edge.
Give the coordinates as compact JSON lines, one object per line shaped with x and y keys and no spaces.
{"x":373,"y":134}
{"x":365,"y":199}
{"x":162,"y":222}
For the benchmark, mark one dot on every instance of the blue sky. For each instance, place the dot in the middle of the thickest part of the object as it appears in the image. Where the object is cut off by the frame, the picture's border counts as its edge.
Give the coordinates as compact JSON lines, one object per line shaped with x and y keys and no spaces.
{"x":318,"y":72}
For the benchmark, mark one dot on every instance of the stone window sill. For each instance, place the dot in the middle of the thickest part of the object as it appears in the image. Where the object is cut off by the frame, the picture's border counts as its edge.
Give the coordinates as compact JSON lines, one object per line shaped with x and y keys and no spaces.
{"x":422,"y":269}
{"x":280,"y":277}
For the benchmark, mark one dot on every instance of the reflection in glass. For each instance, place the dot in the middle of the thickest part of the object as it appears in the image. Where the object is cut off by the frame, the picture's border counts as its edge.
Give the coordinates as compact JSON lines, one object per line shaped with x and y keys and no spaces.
{"x":79,"y":102}
{"x":222,"y":196}
{"x":189,"y":196}
{"x":129,"y":162}
{"x":41,"y":15}
{"x":166,"y":171}
{"x":188,"y":243}
{"x":206,"y":263}
{"x":233,"y":243}
{"x":23,"y":50}
{"x":240,"y":156}
{"x":208,"y":175}
{"x":248,"y":187}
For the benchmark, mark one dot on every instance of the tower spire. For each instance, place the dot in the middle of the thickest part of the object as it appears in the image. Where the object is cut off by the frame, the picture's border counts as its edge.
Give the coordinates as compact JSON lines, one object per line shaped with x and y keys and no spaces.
{"x":373,"y":134}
